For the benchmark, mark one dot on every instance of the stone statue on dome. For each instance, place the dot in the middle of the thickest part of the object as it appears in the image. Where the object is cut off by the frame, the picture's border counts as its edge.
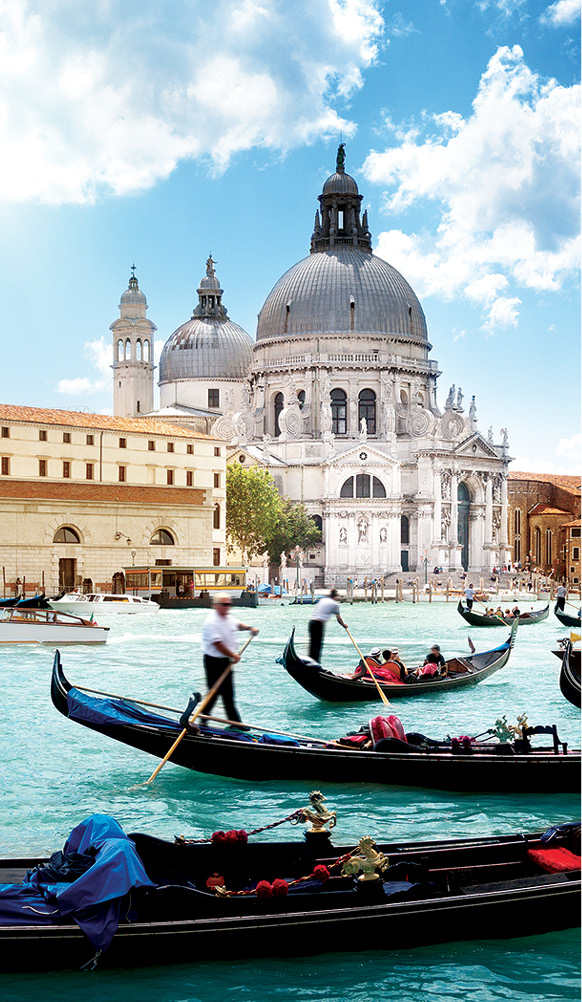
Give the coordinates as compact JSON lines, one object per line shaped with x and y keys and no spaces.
{"x":451,"y":398}
{"x":473,"y":409}
{"x":210,"y":266}
{"x":340,"y":163}
{"x":459,"y":404}
{"x":490,"y":434}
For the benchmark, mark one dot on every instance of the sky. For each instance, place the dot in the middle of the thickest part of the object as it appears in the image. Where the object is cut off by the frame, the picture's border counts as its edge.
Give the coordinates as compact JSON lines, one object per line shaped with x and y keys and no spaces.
{"x":157,"y":132}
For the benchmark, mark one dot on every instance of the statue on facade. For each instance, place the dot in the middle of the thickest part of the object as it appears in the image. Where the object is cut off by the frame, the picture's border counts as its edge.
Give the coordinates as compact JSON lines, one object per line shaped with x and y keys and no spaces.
{"x":490,"y":434}
{"x":362,"y":530}
{"x":504,"y":439}
{"x":353,"y":417}
{"x":325,"y":417}
{"x":283,"y":562}
{"x":340,"y":163}
{"x":383,"y":535}
{"x":459,"y":404}
{"x":451,"y":398}
{"x":363,"y":430}
{"x":445,"y":523}
{"x":343,"y":535}
{"x":473,"y":410}
{"x":210,"y":266}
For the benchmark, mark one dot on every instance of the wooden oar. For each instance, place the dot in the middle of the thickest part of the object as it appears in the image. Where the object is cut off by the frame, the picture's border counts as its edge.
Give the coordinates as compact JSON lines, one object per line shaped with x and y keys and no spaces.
{"x":209,"y":695}
{"x":382,"y":694}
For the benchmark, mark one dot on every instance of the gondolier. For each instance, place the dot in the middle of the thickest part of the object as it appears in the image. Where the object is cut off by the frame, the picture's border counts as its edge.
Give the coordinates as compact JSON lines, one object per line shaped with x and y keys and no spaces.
{"x":561,"y":594}
{"x":219,"y":643}
{"x":469,"y":596}
{"x":324,"y":610}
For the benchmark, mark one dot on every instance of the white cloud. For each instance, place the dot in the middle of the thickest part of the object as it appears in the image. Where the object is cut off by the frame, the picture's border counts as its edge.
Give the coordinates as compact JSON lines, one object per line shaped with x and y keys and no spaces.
{"x":560,"y":13}
{"x":505,"y":183}
{"x":99,"y":354}
{"x":571,"y":449}
{"x":109,"y":98}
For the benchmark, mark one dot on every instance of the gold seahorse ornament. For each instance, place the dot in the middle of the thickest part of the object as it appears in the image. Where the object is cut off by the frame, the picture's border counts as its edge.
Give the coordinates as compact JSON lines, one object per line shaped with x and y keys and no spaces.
{"x":368,"y":863}
{"x":317,"y":814}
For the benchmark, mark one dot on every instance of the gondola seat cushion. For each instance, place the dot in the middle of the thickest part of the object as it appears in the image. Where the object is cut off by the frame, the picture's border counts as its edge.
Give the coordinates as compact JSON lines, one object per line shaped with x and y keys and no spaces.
{"x":555,"y":860}
{"x":386,"y":727}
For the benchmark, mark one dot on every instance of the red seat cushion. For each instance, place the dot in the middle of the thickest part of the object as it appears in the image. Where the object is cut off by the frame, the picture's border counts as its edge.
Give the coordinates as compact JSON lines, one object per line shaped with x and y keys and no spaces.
{"x":555,"y":860}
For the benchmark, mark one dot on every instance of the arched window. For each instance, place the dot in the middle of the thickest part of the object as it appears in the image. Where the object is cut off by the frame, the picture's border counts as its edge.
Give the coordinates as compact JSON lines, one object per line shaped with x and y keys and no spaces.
{"x":317,"y":519}
{"x":162,"y":537}
{"x":66,"y":534}
{"x":216,"y":517}
{"x":367,"y":409}
{"x":538,"y":546}
{"x":362,"y":485}
{"x":127,"y":349}
{"x":120,"y":350}
{"x":378,"y":489}
{"x":301,"y":399}
{"x":517,"y":521}
{"x":516,"y":549}
{"x":347,"y":490}
{"x":339,"y":409}
{"x":146,"y":351}
{"x":548,"y":547}
{"x":278,"y":407}
{"x":138,"y":350}
{"x":404,"y":530}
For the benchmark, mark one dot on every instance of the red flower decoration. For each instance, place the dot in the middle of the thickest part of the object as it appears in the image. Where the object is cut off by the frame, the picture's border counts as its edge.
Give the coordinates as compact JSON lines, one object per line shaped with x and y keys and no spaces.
{"x":321,"y":872}
{"x":264,"y":889}
{"x":242,"y":835}
{"x":218,"y":837}
{"x":280,"y":888}
{"x":215,"y":880}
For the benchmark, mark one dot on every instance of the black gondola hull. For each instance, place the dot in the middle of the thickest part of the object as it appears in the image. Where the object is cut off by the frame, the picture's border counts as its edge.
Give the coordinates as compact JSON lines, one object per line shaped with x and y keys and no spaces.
{"x":479,"y":619}
{"x":540,"y":771}
{"x":328,"y":686}
{"x":570,"y":675}
{"x":572,"y":622}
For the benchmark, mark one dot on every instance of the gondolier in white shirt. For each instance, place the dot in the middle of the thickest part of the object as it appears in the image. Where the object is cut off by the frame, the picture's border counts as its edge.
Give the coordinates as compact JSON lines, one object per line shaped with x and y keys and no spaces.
{"x":324,"y":610}
{"x":219,"y":644}
{"x":561,"y":595}
{"x":469,"y":596}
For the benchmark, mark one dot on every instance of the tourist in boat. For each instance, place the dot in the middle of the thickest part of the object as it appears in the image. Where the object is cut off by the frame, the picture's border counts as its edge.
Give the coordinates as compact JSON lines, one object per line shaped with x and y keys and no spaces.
{"x":219,"y":643}
{"x":391,"y":669}
{"x":469,"y":596}
{"x":322,"y":612}
{"x":434,"y":657}
{"x":515,"y":612}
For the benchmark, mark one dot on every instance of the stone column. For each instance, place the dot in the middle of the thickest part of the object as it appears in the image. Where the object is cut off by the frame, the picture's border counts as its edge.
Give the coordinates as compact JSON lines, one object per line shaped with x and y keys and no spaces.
{"x":488,"y":508}
{"x":394,"y":543}
{"x":455,"y":547}
{"x":505,"y":552}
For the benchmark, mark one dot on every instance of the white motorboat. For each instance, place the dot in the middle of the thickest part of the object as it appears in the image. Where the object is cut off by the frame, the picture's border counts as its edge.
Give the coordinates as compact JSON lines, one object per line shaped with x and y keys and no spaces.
{"x":46,"y":626}
{"x":97,"y":603}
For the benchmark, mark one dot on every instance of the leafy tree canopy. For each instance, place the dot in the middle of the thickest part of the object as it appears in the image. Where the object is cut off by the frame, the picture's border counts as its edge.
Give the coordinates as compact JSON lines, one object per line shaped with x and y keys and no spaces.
{"x":253,"y":506}
{"x":294,"y":527}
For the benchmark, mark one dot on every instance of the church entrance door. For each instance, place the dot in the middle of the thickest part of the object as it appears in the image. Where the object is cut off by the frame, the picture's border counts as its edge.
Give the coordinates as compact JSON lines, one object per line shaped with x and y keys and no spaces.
{"x":404,"y":560}
{"x":67,"y":573}
{"x":463,"y":505}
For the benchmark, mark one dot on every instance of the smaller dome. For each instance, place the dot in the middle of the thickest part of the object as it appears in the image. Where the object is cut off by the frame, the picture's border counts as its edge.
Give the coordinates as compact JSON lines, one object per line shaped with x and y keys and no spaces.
{"x":133,"y":294}
{"x":340,"y":184}
{"x":205,"y":348}
{"x":209,"y":282}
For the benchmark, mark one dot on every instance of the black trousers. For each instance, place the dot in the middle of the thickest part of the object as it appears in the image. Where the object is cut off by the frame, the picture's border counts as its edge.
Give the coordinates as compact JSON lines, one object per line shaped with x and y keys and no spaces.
{"x":315,"y":638}
{"x":469,"y":603}
{"x":560,"y":603}
{"x":214,"y":668}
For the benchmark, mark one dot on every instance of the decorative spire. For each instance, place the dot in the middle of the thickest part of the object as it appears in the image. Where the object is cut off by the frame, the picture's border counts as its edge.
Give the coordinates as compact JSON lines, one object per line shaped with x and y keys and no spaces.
{"x":210,"y":266}
{"x":133,"y":283}
{"x":340,"y":163}
{"x":338,"y":221}
{"x":210,"y":295}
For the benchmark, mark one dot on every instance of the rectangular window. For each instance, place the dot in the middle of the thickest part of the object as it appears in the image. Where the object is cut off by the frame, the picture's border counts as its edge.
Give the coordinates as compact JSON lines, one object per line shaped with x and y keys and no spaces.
{"x":170,"y":446}
{"x":66,"y":471}
{"x":216,"y":556}
{"x":42,"y":436}
{"x":89,"y":471}
{"x":575,"y":533}
{"x":67,"y":437}
{"x":214,"y":398}
{"x":169,"y":477}
{"x":90,"y":440}
{"x":5,"y":466}
{"x":217,"y":450}
{"x":121,"y":474}
{"x":122,"y":443}
{"x":5,"y":432}
{"x":151,"y":446}
{"x":42,"y":467}
{"x":217,"y":479}
{"x":190,"y":450}
{"x":576,"y":553}
{"x":189,"y":478}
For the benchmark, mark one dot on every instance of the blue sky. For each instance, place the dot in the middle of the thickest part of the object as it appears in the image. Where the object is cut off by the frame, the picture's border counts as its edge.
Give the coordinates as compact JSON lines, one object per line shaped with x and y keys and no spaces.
{"x":157,"y":132}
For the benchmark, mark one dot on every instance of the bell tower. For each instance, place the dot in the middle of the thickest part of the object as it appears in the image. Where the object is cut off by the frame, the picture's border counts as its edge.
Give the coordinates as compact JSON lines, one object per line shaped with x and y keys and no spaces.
{"x":133,"y":368}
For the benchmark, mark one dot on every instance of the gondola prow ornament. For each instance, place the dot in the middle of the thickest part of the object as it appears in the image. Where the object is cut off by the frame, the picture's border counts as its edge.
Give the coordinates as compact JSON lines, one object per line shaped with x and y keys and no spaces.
{"x":368,"y":863}
{"x":318,"y":815}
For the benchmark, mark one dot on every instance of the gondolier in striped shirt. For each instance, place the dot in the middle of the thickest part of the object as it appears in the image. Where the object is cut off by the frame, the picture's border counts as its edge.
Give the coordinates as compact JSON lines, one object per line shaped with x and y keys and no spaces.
{"x":324,"y":610}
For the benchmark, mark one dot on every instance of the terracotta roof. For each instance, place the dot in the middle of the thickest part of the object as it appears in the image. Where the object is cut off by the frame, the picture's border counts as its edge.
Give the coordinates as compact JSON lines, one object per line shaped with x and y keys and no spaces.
{"x":571,"y":525}
{"x":120,"y":493}
{"x":78,"y":419}
{"x":558,"y":479}
{"x":547,"y":509}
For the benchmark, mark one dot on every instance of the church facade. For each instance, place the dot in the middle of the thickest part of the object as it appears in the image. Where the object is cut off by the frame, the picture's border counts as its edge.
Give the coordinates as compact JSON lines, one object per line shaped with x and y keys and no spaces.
{"x":338,"y":398}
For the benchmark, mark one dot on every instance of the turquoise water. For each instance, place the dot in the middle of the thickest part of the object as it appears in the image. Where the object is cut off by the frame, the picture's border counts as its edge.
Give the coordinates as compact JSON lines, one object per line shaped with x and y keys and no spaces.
{"x":54,"y":772}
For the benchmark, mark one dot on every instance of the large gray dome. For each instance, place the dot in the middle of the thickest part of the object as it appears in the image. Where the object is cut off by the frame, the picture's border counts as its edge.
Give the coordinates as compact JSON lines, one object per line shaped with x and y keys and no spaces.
{"x":206,"y":348}
{"x":315,"y":297}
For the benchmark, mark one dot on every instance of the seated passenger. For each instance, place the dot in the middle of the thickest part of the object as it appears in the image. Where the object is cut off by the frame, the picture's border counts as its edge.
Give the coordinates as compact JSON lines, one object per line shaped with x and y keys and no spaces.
{"x":434,"y":657}
{"x":499,"y":611}
{"x":515,"y":612}
{"x":390,"y":670}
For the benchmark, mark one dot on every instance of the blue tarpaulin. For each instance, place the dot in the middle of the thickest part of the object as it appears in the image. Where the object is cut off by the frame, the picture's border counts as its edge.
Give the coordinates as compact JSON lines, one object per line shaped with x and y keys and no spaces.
{"x":86,"y":708}
{"x":95,"y":898}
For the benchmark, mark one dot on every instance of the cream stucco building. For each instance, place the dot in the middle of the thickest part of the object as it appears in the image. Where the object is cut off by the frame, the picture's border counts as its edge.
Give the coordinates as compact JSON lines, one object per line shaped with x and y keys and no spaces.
{"x":84,"y":495}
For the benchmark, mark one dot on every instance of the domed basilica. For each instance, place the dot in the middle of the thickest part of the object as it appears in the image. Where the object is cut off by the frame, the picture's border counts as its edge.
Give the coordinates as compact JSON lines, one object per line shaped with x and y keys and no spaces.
{"x":338,"y":399}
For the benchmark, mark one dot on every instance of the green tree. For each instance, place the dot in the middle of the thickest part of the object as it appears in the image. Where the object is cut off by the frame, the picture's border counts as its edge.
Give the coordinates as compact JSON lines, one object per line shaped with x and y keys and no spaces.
{"x":294,"y":527}
{"x":253,"y":507}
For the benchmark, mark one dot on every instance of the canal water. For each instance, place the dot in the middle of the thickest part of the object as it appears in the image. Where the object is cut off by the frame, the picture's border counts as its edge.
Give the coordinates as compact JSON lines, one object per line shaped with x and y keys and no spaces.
{"x":53,"y":773}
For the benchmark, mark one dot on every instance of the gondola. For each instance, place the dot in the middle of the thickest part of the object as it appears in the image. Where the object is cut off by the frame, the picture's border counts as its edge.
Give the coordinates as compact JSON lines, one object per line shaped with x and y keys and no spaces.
{"x":327,"y":685}
{"x":480,"y":619}
{"x":497,"y":768}
{"x":572,"y":622}
{"x":9,"y":603}
{"x":300,"y":898}
{"x":570,"y":674}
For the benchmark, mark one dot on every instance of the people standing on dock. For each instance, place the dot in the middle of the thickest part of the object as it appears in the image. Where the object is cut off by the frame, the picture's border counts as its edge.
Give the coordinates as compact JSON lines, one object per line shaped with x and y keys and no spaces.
{"x":323,"y":611}
{"x":219,"y":643}
{"x":469,"y":596}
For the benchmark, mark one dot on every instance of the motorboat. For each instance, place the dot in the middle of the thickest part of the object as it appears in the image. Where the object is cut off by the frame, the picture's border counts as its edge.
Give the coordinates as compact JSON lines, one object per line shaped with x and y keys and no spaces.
{"x":98,"y":603}
{"x":47,"y":626}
